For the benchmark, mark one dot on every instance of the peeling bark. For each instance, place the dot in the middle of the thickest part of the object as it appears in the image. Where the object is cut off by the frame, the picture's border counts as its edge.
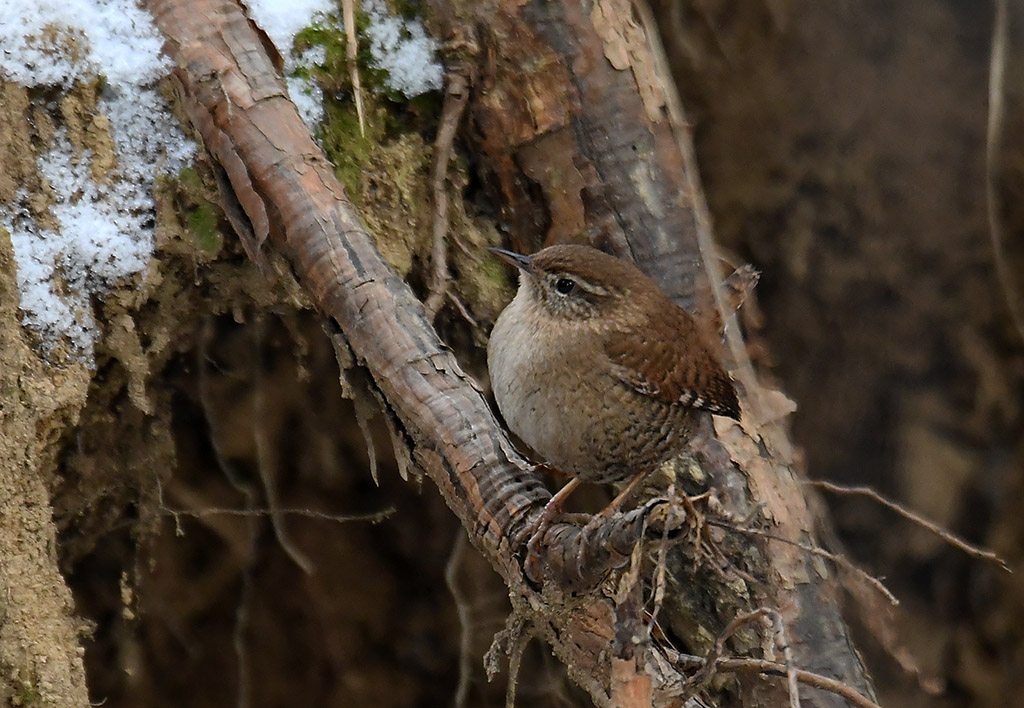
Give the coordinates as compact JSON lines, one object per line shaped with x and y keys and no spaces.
{"x":587,"y":121}
{"x":568,"y":100}
{"x":611,"y":123}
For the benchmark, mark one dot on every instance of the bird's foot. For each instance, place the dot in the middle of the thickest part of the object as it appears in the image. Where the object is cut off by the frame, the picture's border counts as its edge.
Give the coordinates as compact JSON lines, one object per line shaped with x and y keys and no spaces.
{"x":551,"y":511}
{"x":616,"y":504}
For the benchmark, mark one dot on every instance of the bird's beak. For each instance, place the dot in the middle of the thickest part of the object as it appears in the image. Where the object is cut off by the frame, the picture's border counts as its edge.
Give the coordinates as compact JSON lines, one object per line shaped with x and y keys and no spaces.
{"x":523,"y":263}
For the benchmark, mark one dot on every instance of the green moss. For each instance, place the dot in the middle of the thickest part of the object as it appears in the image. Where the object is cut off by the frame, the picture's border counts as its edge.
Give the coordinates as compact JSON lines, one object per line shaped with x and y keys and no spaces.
{"x":333,"y":73}
{"x":190,"y":184}
{"x":407,"y":9}
{"x":187,"y":208}
{"x":345,"y":144}
{"x":385,"y":165}
{"x":202,"y":224}
{"x":495,"y":271}
{"x":202,"y":217}
{"x":340,"y":134}
{"x":483,"y":280}
{"x":394,"y":198}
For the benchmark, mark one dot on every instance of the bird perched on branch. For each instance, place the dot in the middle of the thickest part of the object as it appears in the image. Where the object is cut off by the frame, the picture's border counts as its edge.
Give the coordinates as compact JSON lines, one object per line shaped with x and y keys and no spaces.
{"x":597,"y":370}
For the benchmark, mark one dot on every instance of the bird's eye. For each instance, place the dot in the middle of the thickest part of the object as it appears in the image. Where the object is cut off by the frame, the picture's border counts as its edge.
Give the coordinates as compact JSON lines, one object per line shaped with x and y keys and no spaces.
{"x":564,"y":286}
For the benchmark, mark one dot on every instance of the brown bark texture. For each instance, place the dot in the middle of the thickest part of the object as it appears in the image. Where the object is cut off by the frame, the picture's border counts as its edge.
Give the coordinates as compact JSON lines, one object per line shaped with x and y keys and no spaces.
{"x":586,"y":143}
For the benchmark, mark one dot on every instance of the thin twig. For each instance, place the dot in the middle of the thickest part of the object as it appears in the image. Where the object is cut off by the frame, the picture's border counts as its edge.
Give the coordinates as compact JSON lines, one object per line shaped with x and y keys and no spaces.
{"x":813,"y":550}
{"x":699,"y":680}
{"x":462,"y":610}
{"x":947,"y":536}
{"x":348,"y":10}
{"x":993,"y":144}
{"x":373,"y":518}
{"x":455,"y":98}
{"x":782,"y":643}
{"x":265,"y":461}
{"x":774,"y":668}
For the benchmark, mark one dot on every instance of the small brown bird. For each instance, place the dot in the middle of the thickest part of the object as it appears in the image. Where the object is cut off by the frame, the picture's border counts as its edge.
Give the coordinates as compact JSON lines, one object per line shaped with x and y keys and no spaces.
{"x":597,"y":370}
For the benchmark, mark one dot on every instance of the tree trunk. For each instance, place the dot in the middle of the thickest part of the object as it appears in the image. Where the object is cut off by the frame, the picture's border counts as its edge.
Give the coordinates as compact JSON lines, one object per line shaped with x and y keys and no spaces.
{"x":603,"y":119}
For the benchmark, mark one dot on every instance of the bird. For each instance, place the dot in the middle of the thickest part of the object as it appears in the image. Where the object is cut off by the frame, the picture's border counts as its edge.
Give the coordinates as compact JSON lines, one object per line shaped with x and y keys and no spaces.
{"x":598,"y":371}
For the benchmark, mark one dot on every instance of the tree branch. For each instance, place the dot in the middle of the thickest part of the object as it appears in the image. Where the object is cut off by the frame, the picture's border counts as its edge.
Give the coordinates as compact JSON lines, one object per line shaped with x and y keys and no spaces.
{"x":583,"y":130}
{"x":292,"y":202}
{"x":593,"y":134}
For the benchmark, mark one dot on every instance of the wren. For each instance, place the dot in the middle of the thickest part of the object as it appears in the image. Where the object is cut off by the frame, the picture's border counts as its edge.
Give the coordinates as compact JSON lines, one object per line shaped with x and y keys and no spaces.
{"x":597,"y":370}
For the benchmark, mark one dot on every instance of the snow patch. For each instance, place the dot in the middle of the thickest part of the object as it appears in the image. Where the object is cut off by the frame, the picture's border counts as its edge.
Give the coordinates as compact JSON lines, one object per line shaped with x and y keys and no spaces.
{"x":306,"y":94}
{"x":56,"y":42}
{"x":105,"y":231}
{"x":404,"y":50}
{"x":282,"y":20}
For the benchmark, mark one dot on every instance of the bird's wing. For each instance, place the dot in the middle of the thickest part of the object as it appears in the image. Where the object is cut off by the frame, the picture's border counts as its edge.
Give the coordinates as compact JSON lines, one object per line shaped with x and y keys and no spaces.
{"x":674,"y":369}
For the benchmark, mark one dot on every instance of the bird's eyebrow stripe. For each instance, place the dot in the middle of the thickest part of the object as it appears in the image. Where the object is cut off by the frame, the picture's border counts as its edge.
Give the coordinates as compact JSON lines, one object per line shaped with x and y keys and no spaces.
{"x":589,"y":287}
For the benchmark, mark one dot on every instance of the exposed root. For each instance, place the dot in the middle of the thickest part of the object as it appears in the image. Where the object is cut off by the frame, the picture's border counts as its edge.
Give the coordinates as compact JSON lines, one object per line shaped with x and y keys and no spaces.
{"x":461,"y":307}
{"x":463,"y":610}
{"x":702,"y":678}
{"x":774,"y":668}
{"x":659,"y":574}
{"x":455,"y":98}
{"x":242,"y":609}
{"x":993,"y":145}
{"x":840,"y":561}
{"x":177,"y":513}
{"x":515,"y":660}
{"x":714,"y":663}
{"x":238,"y":641}
{"x":265,"y":464}
{"x":744,"y":371}
{"x":782,"y":645}
{"x":512,"y":640}
{"x":947,"y":536}
{"x":364,"y":414}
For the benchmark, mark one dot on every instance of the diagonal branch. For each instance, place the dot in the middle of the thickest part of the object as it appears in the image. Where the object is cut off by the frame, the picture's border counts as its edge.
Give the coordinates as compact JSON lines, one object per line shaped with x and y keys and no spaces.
{"x":625,"y":180}
{"x":288,"y":193}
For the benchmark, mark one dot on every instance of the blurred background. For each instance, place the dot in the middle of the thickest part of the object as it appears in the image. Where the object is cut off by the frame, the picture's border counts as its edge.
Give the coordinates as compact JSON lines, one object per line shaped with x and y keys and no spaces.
{"x":843,"y":149}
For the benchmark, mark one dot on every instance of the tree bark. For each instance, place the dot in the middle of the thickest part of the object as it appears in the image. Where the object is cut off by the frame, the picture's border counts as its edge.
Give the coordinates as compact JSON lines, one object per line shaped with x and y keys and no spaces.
{"x":592,"y":124}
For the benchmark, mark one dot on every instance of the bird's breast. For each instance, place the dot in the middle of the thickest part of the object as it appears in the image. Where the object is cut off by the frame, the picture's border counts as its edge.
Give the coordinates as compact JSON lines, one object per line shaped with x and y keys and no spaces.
{"x":557,"y":392}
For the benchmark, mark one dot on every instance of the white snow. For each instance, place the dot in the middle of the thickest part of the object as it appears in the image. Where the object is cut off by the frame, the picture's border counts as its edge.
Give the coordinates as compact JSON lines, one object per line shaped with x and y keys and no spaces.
{"x":282,"y":20}
{"x":404,"y":50}
{"x":104,"y":231}
{"x":307,"y":95}
{"x":55,"y":42}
